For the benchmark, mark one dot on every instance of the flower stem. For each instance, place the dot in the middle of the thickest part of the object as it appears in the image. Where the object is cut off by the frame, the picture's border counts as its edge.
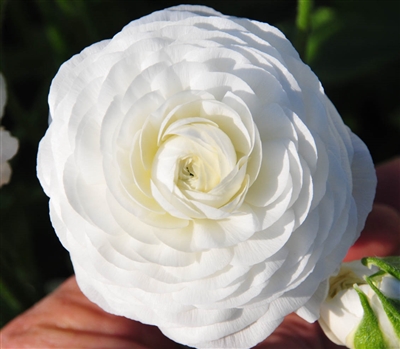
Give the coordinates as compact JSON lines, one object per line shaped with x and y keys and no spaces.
{"x":303,"y":25}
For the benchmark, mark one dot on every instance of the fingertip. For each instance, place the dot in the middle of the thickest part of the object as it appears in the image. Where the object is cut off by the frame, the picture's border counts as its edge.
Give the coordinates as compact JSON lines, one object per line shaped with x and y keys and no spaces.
{"x":381,"y":235}
{"x":388,"y":188}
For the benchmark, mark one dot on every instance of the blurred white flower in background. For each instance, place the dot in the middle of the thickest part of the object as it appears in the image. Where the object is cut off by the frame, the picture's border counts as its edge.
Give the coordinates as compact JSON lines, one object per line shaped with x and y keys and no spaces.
{"x":362,"y":309}
{"x":200,"y":178}
{"x":8,"y":144}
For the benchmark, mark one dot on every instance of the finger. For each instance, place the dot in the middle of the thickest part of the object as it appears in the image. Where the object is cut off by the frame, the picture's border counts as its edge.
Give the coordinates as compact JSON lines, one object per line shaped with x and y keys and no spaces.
{"x":381,"y":235}
{"x":388,"y":188}
{"x":296,"y":333}
{"x":67,"y":319}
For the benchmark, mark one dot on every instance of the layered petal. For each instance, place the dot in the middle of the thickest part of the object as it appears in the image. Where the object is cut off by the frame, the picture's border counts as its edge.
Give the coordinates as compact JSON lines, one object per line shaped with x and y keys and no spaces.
{"x":200,"y":178}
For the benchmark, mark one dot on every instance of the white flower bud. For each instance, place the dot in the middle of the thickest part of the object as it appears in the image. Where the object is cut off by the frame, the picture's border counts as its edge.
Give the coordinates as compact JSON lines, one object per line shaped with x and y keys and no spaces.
{"x":362,"y":306}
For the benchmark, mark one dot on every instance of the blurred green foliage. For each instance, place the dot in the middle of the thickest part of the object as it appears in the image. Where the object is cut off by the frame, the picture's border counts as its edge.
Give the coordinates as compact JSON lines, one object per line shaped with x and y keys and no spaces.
{"x":353,"y":46}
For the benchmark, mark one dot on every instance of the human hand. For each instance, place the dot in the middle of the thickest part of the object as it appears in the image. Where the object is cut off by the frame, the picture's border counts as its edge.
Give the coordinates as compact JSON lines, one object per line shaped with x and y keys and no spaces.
{"x":67,"y":319}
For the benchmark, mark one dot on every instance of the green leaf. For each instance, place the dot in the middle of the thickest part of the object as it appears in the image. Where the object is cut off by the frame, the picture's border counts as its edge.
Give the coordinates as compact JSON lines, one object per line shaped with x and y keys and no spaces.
{"x":368,"y":334}
{"x":390,"y":306}
{"x":303,"y":25}
{"x":10,"y":305}
{"x":325,"y":23}
{"x":390,"y":265}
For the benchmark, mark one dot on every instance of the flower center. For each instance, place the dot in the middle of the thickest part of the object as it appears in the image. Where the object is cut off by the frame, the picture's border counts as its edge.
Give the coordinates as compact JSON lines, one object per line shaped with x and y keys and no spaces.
{"x":343,"y":281}
{"x":194,"y":174}
{"x":199,"y":160}
{"x":187,"y":173}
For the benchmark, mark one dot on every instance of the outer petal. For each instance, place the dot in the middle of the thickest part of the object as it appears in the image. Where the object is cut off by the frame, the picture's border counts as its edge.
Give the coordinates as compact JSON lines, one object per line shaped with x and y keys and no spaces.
{"x":8,"y":144}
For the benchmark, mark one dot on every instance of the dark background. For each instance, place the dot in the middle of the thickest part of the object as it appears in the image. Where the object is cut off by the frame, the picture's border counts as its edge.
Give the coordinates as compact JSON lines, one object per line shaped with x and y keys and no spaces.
{"x":353,"y":47}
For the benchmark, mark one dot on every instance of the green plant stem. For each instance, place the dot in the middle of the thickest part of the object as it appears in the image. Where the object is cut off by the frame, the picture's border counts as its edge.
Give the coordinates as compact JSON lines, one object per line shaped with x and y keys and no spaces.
{"x":303,"y":25}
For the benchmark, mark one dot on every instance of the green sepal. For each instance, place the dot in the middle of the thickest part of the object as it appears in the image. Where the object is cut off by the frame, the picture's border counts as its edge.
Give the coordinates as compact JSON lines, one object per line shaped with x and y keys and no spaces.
{"x":390,"y":265}
{"x":368,"y":334}
{"x":390,"y":306}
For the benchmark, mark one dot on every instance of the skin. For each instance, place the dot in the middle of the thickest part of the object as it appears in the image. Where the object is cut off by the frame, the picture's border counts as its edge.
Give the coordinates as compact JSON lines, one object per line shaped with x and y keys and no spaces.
{"x":67,"y":319}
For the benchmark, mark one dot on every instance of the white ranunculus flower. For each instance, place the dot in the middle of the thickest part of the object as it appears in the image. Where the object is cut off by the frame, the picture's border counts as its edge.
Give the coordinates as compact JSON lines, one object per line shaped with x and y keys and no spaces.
{"x":355,"y":314}
{"x":8,"y":144}
{"x":200,"y":178}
